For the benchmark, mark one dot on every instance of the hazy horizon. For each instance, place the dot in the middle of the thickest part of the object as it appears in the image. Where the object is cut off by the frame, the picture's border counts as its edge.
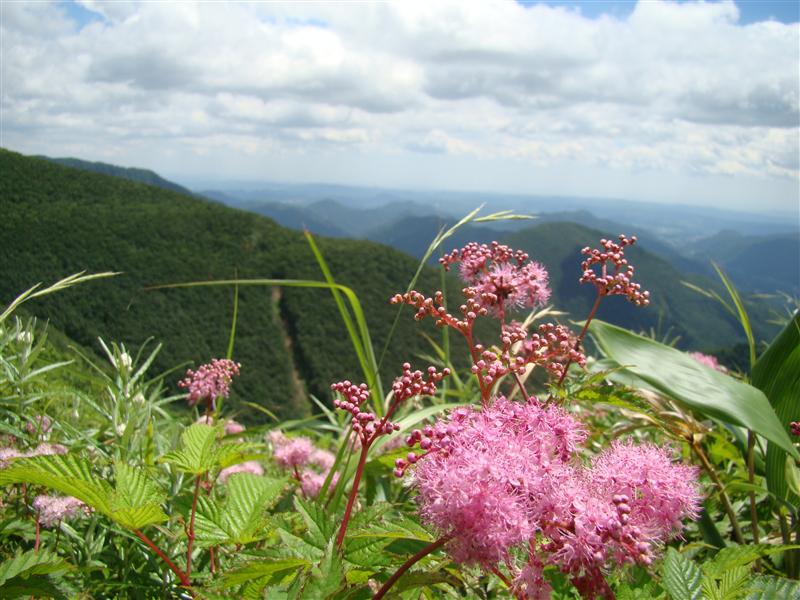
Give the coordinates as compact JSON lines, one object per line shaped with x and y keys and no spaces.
{"x":694,"y":103}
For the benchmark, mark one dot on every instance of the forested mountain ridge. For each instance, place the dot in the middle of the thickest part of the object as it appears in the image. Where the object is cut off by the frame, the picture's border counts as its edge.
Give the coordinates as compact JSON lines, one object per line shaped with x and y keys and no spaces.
{"x":141,"y":175}
{"x":58,"y":220}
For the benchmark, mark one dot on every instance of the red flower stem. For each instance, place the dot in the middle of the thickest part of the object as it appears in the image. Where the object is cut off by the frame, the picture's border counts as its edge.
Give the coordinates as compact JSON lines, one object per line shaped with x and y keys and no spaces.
{"x":475,"y":359}
{"x":353,"y":493}
{"x":180,"y":574}
{"x":507,"y":582}
{"x":520,"y":384}
{"x":582,"y":334}
{"x":212,"y":559}
{"x":190,"y":532}
{"x":408,"y":564}
{"x":38,"y":533}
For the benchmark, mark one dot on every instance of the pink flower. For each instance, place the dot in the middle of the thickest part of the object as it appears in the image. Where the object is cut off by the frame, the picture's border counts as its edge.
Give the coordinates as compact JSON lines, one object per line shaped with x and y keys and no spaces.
{"x":210,"y":381}
{"x":311,"y":482}
{"x":609,"y":271}
{"x":250,"y":466}
{"x":795,"y":427}
{"x":709,"y":361}
{"x":232,"y":427}
{"x":7,"y":455}
{"x":45,"y":449}
{"x":40,"y":425}
{"x":294,"y":453}
{"x":323,"y":459}
{"x":53,"y":509}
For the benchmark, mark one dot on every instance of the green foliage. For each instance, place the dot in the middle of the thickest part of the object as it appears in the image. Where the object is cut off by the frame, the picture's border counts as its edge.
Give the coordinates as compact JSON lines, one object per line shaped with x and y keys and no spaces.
{"x":32,"y":573}
{"x":777,"y":374}
{"x":240,"y":517}
{"x":679,"y":376}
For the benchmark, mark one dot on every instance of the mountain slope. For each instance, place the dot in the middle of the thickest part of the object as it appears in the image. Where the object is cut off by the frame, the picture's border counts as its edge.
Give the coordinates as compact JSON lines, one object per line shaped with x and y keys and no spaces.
{"x":700,"y":322}
{"x":58,"y":220}
{"x":140,"y":175}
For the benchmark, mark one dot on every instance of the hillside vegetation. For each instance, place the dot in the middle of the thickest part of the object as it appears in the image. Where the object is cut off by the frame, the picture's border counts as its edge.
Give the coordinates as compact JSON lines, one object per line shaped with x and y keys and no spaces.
{"x":58,"y":220}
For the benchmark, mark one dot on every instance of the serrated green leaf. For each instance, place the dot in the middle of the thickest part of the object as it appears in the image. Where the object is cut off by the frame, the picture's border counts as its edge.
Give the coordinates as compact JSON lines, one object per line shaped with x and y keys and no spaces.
{"x":25,"y":564}
{"x":240,"y":517}
{"x":733,"y":557}
{"x":264,"y":568}
{"x":35,"y":586}
{"x":67,"y":474}
{"x":198,"y":452}
{"x":682,"y":578}
{"x":137,"y":499}
{"x":326,"y":578}
{"x":682,"y":378}
{"x":769,"y":587}
{"x":320,"y":526}
{"x":399,"y":528}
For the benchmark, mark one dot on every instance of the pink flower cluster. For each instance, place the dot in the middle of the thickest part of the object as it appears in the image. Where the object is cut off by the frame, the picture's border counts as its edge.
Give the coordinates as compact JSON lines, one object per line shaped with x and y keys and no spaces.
{"x":709,"y":361}
{"x":210,"y":381}
{"x":39,"y":425}
{"x":366,"y":425}
{"x":507,"y":475}
{"x":309,"y":465}
{"x":54,"y":509}
{"x":503,"y":278}
{"x":609,"y":271}
{"x":43,"y":449}
{"x":794,"y":427}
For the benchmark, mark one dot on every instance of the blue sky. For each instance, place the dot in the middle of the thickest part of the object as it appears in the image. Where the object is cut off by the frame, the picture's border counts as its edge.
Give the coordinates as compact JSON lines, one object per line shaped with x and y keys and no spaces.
{"x":688,"y":102}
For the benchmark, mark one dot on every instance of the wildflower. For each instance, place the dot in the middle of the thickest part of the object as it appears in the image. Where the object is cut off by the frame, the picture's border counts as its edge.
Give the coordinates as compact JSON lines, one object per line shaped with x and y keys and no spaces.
{"x":609,"y":271}
{"x":501,"y":277}
{"x":504,"y":475}
{"x":45,"y":449}
{"x":249,"y":466}
{"x":7,"y":455}
{"x":709,"y":361}
{"x":322,"y":458}
{"x":40,"y":424}
{"x":53,"y":509}
{"x":210,"y":381}
{"x":232,"y":427}
{"x":293,"y":453}
{"x":311,"y":482}
{"x":795,"y":427}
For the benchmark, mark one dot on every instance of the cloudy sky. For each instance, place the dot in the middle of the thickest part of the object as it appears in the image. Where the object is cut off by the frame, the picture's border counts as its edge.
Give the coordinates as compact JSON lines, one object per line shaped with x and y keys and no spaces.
{"x":690,"y":102}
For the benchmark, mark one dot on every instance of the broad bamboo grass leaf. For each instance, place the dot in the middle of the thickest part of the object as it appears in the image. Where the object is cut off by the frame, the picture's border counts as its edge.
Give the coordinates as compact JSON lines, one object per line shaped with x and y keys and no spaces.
{"x":134,"y":502}
{"x":62,"y":284}
{"x":680,"y":377}
{"x":777,"y":374}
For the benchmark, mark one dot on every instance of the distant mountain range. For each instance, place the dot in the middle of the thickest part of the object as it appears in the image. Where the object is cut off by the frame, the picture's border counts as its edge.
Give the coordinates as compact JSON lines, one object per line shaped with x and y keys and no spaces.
{"x":59,"y":220}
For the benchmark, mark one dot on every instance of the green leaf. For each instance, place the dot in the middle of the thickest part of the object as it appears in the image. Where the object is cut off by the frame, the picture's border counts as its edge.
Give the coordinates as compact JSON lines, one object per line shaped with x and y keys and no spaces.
{"x":35,"y":586}
{"x":264,"y":568}
{"x":682,"y":378}
{"x":25,"y":564}
{"x":136,"y":501}
{"x":326,"y":578}
{"x":198,"y":452}
{"x":399,"y":528}
{"x":777,"y":374}
{"x":67,"y":474}
{"x":320,"y":526}
{"x":769,"y":587}
{"x":733,"y":557}
{"x":682,"y":578}
{"x":240,"y":517}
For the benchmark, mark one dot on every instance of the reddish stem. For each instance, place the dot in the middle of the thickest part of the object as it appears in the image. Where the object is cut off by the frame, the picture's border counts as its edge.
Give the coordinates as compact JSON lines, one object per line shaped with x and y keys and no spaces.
{"x":408,"y":564}
{"x":190,"y":532}
{"x":507,"y":582}
{"x":38,"y":533}
{"x":212,"y":559}
{"x":184,"y":579}
{"x":582,"y":334}
{"x":353,"y":493}
{"x":475,"y":359}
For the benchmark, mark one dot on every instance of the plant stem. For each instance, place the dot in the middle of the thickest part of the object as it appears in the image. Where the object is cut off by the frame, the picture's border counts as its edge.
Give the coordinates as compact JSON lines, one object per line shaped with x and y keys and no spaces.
{"x":408,"y":564}
{"x":506,"y":581}
{"x":581,"y":335}
{"x":38,"y":533}
{"x":726,"y":503}
{"x":751,"y":443}
{"x":190,"y":532}
{"x":521,"y":386}
{"x":184,"y":579}
{"x":362,"y":460}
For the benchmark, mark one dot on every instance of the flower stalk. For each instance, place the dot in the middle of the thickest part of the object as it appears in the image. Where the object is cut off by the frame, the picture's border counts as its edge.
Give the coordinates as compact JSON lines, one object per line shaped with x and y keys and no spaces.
{"x":432,"y":547}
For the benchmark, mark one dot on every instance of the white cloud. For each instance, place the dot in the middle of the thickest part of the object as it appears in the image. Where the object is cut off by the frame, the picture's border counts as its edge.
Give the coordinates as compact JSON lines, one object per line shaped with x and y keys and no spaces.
{"x":679,"y":89}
